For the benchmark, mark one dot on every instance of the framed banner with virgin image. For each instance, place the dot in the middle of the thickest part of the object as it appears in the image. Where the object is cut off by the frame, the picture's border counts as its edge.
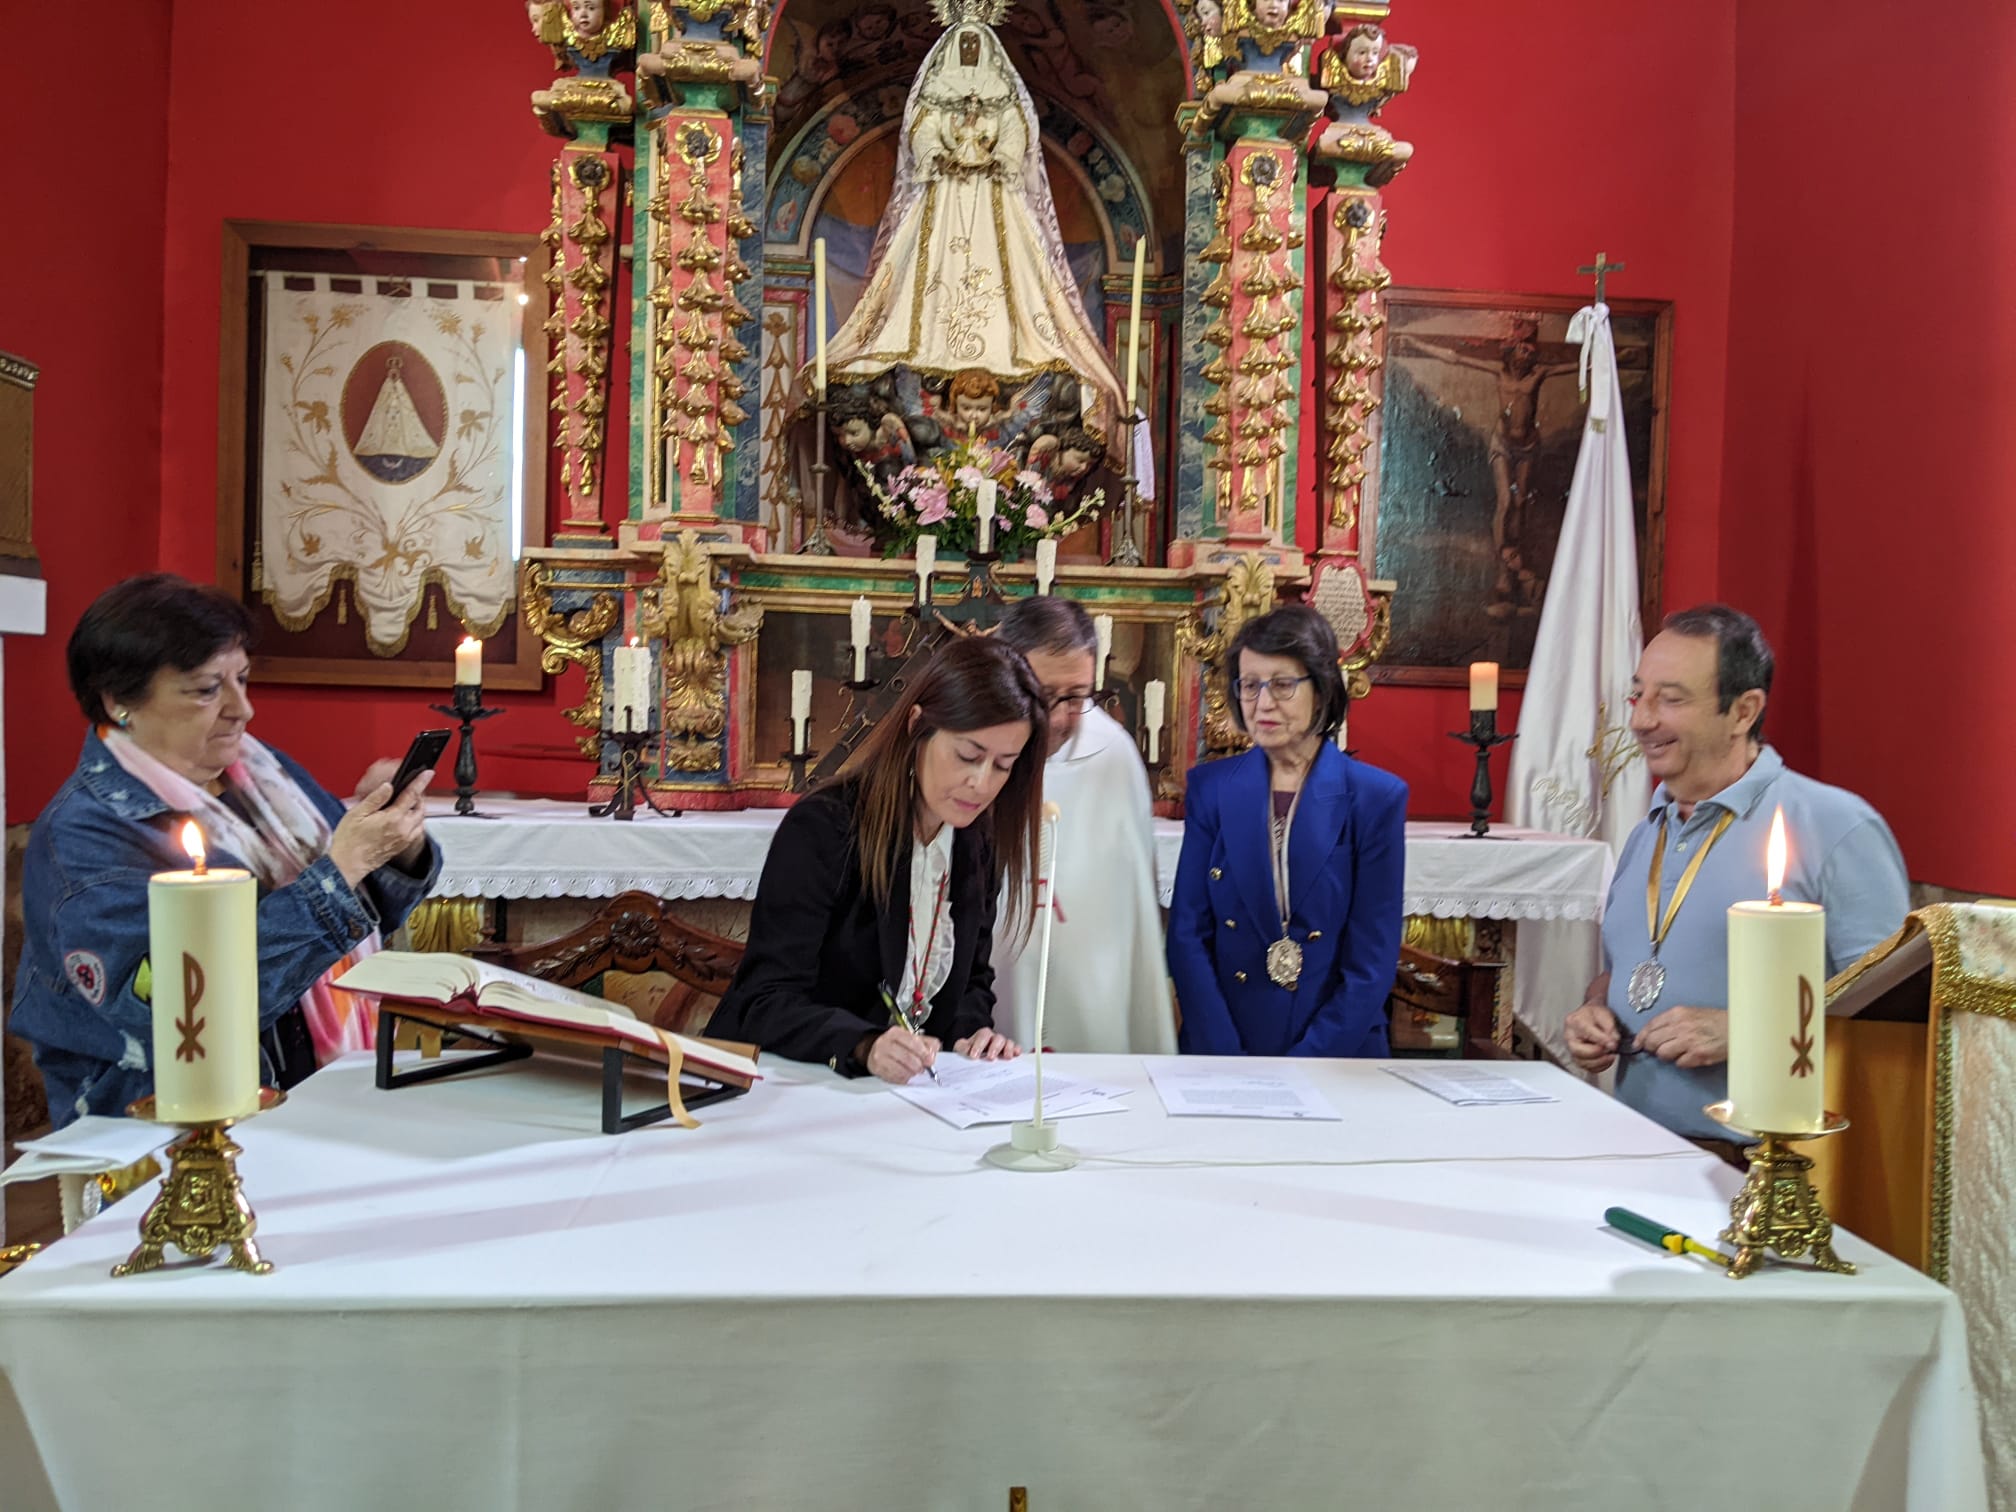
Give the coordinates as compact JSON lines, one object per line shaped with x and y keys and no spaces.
{"x":381,"y":454}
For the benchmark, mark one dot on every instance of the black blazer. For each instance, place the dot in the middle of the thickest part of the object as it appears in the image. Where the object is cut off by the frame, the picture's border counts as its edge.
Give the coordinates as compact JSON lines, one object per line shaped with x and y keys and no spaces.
{"x":809,"y":986}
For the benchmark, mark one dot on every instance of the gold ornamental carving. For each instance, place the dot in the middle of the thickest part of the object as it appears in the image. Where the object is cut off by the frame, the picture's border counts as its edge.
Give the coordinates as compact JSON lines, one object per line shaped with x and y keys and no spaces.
{"x":1378,"y":635}
{"x":683,"y":611}
{"x":1357,"y":281}
{"x":1247,"y":593}
{"x":571,"y":636}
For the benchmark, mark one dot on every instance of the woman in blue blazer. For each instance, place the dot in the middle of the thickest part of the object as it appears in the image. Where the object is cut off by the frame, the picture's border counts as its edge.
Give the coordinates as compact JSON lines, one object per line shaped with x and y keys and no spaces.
{"x":1284,"y":932}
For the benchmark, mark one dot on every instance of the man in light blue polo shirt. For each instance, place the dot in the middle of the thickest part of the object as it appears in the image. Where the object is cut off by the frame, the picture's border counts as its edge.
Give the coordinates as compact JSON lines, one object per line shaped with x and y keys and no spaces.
{"x":1660,"y":1008}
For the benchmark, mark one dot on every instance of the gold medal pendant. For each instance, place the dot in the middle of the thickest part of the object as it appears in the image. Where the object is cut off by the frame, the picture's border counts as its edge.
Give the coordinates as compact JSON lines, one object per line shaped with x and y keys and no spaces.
{"x":1284,"y":963}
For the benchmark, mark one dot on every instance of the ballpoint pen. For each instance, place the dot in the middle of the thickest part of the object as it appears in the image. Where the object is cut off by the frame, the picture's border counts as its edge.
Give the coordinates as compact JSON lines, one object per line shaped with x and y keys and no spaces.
{"x":903,"y":1022}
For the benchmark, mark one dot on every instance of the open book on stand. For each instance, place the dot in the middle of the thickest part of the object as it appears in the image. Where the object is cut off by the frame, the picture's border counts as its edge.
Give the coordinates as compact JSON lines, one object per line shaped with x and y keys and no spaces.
{"x":512,"y":1012}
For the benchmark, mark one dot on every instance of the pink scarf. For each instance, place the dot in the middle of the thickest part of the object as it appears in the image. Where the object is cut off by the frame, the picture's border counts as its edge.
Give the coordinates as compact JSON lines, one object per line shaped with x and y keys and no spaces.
{"x":286,"y":835}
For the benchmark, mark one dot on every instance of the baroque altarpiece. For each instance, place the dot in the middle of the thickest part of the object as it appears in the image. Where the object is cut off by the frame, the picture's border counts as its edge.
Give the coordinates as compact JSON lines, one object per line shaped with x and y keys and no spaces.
{"x":969,"y":188}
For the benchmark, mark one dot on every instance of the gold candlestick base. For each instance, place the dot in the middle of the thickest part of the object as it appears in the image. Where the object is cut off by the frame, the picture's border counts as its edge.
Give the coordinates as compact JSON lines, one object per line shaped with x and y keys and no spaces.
{"x":201,"y":1204}
{"x":1778,"y":1210}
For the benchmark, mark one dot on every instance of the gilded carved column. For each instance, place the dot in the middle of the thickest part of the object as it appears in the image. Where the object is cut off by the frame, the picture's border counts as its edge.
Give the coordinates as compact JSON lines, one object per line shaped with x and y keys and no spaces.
{"x":1359,"y":72}
{"x":583,"y":106}
{"x":1254,"y":118}
{"x":698,"y":82}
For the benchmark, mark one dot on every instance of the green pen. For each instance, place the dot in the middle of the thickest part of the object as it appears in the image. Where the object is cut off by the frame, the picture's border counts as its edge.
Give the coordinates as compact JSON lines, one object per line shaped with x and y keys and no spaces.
{"x":903,"y":1020}
{"x":1671,"y":1240}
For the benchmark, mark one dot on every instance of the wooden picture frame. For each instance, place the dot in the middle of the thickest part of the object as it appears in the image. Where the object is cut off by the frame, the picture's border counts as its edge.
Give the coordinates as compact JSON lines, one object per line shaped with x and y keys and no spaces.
{"x":1437,"y":479}
{"x":333,"y":647}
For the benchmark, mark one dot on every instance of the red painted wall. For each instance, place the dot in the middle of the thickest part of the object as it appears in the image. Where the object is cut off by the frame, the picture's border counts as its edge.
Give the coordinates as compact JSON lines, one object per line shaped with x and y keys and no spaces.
{"x":1544,"y":133}
{"x":344,"y":133}
{"x":1872,"y":366}
{"x":83,"y":172}
{"x":332,"y":113}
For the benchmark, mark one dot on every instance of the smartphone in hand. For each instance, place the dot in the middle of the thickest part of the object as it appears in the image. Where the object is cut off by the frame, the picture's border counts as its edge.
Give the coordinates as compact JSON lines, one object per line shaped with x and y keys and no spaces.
{"x":421,"y":756}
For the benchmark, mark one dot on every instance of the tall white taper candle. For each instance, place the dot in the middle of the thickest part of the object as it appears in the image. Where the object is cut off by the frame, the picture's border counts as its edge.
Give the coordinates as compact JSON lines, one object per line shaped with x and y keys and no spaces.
{"x":1102,"y":631}
{"x":1152,"y":698}
{"x":1134,"y":324}
{"x":801,"y":709}
{"x":862,"y":616}
{"x":927,"y":558}
{"x":1046,"y":565}
{"x":984,"y":500}
{"x":819,"y":316}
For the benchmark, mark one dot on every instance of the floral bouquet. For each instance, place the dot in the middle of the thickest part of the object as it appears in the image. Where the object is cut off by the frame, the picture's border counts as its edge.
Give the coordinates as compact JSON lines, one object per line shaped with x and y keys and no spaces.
{"x":940,"y":496}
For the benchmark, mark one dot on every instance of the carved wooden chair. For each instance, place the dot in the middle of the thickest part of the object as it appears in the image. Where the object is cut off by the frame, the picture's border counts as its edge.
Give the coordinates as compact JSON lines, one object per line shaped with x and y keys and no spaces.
{"x":1444,"y":1006}
{"x":633,"y":951}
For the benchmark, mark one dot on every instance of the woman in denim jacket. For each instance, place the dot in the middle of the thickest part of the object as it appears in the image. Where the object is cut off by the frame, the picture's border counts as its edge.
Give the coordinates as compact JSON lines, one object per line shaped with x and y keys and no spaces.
{"x":159,"y":667}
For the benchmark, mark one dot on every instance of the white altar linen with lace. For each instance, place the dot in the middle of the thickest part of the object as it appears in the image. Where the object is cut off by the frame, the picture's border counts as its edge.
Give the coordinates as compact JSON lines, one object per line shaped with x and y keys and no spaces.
{"x":481,"y":1302}
{"x":546,"y":848}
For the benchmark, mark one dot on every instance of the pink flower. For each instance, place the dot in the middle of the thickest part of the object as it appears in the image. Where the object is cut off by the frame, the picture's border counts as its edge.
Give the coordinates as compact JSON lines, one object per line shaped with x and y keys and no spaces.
{"x":1036,"y":517}
{"x":1032,"y":482}
{"x":843,"y":129}
{"x":932,"y":505}
{"x":972,"y":477}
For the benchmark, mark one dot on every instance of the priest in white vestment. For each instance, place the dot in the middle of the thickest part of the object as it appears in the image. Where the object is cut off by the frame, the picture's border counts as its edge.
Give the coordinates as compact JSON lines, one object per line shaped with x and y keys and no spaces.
{"x":1109,"y":985}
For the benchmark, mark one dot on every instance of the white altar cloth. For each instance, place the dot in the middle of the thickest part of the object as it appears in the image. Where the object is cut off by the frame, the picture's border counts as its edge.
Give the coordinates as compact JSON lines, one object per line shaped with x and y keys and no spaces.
{"x":823,"y":1298}
{"x":540,"y":848}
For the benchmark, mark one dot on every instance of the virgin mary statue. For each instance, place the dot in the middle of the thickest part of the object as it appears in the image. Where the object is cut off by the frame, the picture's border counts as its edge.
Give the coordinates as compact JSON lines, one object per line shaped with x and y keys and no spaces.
{"x":968,"y":270}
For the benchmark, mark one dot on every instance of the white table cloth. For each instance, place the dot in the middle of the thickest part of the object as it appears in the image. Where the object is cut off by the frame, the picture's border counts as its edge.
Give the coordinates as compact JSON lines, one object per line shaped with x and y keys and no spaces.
{"x":540,"y":848}
{"x":823,"y":1298}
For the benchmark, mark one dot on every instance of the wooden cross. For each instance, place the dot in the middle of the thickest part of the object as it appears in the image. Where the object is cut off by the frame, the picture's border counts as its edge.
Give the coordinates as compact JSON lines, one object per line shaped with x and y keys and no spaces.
{"x":1601,"y":270}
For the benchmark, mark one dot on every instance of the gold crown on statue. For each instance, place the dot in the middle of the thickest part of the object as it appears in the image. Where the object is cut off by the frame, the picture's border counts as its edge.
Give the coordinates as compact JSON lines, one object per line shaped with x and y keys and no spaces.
{"x":955,"y":12}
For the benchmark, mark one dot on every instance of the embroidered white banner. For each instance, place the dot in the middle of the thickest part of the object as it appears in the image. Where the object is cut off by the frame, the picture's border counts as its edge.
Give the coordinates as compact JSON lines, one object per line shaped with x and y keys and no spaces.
{"x":389,"y":450}
{"x":1575,"y":768}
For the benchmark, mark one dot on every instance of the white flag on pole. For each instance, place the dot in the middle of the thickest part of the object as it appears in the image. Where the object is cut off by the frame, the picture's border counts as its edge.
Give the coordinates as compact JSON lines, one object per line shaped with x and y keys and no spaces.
{"x":1575,"y":768}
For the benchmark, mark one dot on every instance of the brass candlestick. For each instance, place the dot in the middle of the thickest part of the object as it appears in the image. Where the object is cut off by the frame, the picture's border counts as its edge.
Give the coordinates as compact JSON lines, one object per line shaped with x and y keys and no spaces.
{"x":201,"y":1204}
{"x":1778,"y":1210}
{"x":1126,"y":550}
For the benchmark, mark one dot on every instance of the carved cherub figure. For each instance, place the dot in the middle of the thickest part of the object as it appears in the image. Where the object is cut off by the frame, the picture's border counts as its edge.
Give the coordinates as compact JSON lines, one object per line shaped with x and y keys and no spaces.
{"x":698,"y":48}
{"x":1269,"y":41}
{"x":592,"y":37}
{"x":1359,"y":75}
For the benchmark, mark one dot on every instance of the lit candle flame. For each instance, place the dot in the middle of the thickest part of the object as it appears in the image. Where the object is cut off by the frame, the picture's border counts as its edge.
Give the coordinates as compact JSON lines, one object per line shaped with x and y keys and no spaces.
{"x":192,"y":842}
{"x":634,"y":641}
{"x":1774,"y":856}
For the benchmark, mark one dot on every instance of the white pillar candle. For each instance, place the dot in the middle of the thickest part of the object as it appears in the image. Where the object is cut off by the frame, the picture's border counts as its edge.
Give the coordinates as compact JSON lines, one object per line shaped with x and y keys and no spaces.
{"x":1102,"y":630}
{"x":1134,"y":324}
{"x":469,"y":663}
{"x":927,"y":558}
{"x":203,"y":949}
{"x":1777,"y":1007}
{"x":1152,"y":700}
{"x":819,"y":316}
{"x":1344,"y":732}
{"x":1483,"y":687}
{"x":631,"y":709}
{"x":863,"y":616}
{"x":801,"y":709}
{"x":983,"y":506}
{"x":1046,"y":565}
